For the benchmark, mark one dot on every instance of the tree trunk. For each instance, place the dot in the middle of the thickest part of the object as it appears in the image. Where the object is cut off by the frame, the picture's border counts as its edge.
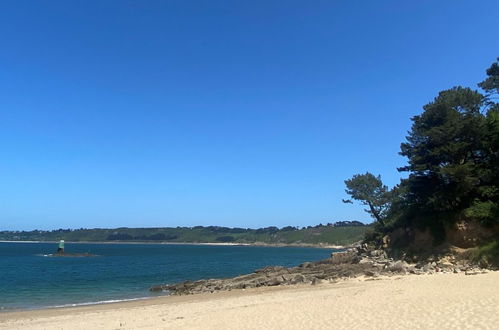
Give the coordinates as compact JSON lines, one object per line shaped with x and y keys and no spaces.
{"x":375,"y":213}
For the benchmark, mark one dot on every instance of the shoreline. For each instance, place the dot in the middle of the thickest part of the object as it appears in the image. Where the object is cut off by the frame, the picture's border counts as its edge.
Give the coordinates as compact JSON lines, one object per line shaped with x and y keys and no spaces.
{"x":447,"y":300}
{"x":145,"y":295}
{"x":75,"y":305}
{"x":320,"y":246}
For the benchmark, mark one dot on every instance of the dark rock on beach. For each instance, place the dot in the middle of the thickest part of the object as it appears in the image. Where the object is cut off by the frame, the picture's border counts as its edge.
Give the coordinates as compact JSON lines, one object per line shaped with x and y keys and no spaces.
{"x":354,"y":262}
{"x":341,"y":265}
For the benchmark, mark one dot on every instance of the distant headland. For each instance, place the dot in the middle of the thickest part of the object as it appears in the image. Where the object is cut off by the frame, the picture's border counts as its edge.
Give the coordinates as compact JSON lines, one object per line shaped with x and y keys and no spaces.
{"x":336,"y":234}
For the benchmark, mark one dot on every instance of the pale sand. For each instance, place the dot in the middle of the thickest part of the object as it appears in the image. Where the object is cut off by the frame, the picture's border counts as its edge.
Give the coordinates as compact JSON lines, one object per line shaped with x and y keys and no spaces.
{"x":440,"y":301}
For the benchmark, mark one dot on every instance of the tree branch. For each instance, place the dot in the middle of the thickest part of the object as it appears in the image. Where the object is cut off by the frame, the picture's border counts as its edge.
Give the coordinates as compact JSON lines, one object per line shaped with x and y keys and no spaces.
{"x":375,"y":213}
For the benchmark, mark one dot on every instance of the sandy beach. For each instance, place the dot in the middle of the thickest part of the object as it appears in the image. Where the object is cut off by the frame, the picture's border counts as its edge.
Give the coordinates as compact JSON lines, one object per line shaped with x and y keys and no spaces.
{"x":439,"y":301}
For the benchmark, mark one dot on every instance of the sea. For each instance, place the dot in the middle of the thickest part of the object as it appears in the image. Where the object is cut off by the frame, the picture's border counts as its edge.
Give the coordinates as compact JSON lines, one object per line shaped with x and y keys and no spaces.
{"x":31,"y":279}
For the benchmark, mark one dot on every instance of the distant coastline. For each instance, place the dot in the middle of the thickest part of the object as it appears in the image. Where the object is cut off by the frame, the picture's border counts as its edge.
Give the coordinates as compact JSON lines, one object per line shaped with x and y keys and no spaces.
{"x":321,"y":246}
{"x":332,"y":235}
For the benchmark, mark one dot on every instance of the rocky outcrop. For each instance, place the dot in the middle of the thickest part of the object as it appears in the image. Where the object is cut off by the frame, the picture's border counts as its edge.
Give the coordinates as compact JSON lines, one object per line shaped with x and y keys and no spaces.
{"x":361,"y":260}
{"x":79,"y":255}
{"x":310,"y":272}
{"x":349,"y":256}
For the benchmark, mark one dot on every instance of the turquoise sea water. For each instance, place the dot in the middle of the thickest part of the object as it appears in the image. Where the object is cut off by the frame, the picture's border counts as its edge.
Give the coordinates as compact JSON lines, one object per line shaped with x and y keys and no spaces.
{"x":29,"y":279}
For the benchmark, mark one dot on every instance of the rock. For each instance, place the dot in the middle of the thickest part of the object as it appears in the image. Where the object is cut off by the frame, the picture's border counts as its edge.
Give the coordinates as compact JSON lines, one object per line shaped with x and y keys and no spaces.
{"x":420,"y":264}
{"x":457,"y":270}
{"x":269,"y":269}
{"x":371,"y":273}
{"x":445,"y":265}
{"x":72,"y":255}
{"x":309,"y":272}
{"x":343,"y":257}
{"x":386,"y":241}
{"x":427,"y":267}
{"x":398,"y":267}
{"x":274,"y":281}
{"x":156,"y":288}
{"x":379,"y":265}
{"x":365,"y":261}
{"x":363,"y":249}
{"x":297,"y":279}
{"x":471,"y":273}
{"x":377,"y":253}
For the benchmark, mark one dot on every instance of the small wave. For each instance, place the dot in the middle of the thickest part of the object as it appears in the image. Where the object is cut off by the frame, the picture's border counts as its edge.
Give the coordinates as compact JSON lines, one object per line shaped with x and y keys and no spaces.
{"x":98,"y":302}
{"x":69,"y":255}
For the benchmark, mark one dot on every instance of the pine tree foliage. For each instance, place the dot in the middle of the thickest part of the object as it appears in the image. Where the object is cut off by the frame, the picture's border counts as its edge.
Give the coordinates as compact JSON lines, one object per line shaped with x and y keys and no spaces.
{"x":452,"y":152}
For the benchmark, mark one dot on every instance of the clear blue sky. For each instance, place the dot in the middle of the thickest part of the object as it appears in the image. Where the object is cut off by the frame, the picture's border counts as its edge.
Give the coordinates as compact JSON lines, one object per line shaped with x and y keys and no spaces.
{"x":233,"y":113}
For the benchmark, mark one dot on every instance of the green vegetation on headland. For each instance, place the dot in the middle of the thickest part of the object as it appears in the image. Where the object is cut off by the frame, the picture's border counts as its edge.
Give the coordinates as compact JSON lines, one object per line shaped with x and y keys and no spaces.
{"x":340,"y":233}
{"x":451,"y":193}
{"x":486,"y":254}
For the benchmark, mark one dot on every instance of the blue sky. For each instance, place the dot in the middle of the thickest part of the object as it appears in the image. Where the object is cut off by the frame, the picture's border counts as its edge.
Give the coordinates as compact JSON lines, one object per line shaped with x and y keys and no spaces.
{"x":233,"y":113}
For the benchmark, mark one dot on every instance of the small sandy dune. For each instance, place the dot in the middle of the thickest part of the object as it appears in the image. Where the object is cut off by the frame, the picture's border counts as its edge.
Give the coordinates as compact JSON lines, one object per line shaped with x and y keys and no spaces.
{"x":440,"y":301}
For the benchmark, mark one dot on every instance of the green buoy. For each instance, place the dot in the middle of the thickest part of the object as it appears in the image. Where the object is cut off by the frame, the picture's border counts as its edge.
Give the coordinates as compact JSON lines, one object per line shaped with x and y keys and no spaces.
{"x":60,"y":250}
